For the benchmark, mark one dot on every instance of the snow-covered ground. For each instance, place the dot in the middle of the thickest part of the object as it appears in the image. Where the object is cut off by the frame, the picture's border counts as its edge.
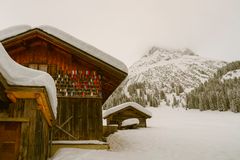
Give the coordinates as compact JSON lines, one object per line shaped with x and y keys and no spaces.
{"x":172,"y":134}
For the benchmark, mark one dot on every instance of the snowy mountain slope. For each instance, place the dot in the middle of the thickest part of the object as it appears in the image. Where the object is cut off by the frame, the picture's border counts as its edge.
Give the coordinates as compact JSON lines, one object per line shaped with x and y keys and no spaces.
{"x":177,"y":66}
{"x":231,"y":75}
{"x":170,"y":71}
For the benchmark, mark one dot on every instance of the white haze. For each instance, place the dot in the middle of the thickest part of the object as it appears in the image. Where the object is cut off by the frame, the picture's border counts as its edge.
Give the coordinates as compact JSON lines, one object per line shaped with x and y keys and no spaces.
{"x":127,"y":29}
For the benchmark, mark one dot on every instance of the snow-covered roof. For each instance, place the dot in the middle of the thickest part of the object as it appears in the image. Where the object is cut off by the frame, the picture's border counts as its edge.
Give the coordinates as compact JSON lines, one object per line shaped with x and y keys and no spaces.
{"x":125,"y":105}
{"x":16,"y":74}
{"x":13,"y":31}
{"x":130,"y":121}
{"x":79,"y":142}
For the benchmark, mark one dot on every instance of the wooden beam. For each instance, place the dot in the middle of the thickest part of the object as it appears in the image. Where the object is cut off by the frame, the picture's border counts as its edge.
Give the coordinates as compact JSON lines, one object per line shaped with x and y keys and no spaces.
{"x":38,"y":93}
{"x":43,"y":107}
{"x":12,"y":97}
{"x":62,"y":125}
{"x":7,"y":119}
{"x":66,"y":132}
{"x":38,"y":98}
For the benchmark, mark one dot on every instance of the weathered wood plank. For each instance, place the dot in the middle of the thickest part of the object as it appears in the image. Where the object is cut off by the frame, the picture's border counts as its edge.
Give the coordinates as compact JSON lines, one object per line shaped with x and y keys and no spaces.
{"x":87,"y":118}
{"x":7,"y":119}
{"x":39,"y":94}
{"x":64,"y":131}
{"x":62,"y":125}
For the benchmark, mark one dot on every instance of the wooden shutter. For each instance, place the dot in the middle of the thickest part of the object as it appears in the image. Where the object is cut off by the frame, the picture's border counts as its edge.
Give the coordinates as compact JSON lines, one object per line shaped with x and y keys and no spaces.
{"x":9,"y":140}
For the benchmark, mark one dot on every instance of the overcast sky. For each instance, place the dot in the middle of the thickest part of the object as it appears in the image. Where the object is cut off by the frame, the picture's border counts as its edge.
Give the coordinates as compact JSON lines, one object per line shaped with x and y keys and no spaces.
{"x":127,"y":29}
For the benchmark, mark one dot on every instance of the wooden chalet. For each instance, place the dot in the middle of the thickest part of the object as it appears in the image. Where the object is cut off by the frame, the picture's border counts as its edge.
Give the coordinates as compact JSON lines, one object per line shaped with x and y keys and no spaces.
{"x":84,"y":76}
{"x":117,"y":114}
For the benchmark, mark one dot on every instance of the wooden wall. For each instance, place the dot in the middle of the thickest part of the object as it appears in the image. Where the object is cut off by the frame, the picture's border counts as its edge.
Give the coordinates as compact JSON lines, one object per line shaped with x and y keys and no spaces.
{"x":32,"y":140}
{"x":73,"y":76}
{"x":9,"y":140}
{"x":79,"y":119}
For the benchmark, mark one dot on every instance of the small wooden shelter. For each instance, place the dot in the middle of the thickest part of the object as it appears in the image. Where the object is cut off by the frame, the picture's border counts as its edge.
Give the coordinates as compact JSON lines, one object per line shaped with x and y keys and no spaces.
{"x":118,"y":114}
{"x":26,"y":119}
{"x":84,"y":76}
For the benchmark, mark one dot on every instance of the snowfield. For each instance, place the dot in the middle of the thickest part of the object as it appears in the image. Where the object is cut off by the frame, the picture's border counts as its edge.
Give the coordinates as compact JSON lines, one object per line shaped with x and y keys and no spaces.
{"x":172,"y":134}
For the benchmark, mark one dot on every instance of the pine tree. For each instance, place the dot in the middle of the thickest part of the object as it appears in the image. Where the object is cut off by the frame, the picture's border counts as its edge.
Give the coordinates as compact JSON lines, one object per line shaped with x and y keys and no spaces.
{"x":162,"y":95}
{"x":179,"y":89}
{"x":220,"y":102}
{"x":174,"y":101}
{"x":201,"y":102}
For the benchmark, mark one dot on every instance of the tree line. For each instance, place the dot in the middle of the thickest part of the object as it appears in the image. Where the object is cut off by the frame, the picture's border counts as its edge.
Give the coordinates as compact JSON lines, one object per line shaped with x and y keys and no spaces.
{"x":145,"y":94}
{"x":216,"y":93}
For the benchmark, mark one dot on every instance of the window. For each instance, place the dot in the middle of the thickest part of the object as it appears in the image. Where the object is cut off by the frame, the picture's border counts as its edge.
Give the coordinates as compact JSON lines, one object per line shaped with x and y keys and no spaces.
{"x":43,"y":67}
{"x":33,"y":66}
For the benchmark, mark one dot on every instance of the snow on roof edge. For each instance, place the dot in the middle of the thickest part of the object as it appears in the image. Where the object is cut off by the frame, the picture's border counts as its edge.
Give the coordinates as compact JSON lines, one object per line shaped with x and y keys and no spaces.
{"x":16,"y":30}
{"x":13,"y":31}
{"x":16,"y":74}
{"x":125,"y":105}
{"x":78,"y":142}
{"x":85,"y":47}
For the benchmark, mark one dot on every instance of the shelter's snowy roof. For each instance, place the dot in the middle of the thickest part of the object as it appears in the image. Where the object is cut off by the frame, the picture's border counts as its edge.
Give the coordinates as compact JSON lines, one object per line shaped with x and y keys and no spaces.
{"x":16,"y":74}
{"x":79,"y":142}
{"x":129,"y":122}
{"x":13,"y":31}
{"x":125,"y":105}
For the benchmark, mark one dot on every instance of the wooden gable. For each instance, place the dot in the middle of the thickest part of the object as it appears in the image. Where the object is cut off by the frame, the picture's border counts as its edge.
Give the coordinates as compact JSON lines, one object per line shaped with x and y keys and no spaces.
{"x":36,"y":49}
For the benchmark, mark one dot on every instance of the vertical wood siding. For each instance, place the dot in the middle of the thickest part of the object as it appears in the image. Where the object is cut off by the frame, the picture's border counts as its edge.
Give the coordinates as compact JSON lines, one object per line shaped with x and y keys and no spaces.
{"x":34,"y":134}
{"x":85,"y":116}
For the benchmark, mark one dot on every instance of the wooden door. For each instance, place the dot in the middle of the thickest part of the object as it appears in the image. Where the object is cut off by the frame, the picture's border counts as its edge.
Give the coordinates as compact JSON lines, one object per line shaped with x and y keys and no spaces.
{"x":9,"y":140}
{"x":79,"y":119}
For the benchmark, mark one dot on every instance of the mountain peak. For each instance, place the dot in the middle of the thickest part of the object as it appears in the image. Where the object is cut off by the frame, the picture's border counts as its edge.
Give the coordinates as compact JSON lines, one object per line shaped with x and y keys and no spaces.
{"x":189,"y":52}
{"x":152,"y":50}
{"x":164,"y":52}
{"x":168,"y":71}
